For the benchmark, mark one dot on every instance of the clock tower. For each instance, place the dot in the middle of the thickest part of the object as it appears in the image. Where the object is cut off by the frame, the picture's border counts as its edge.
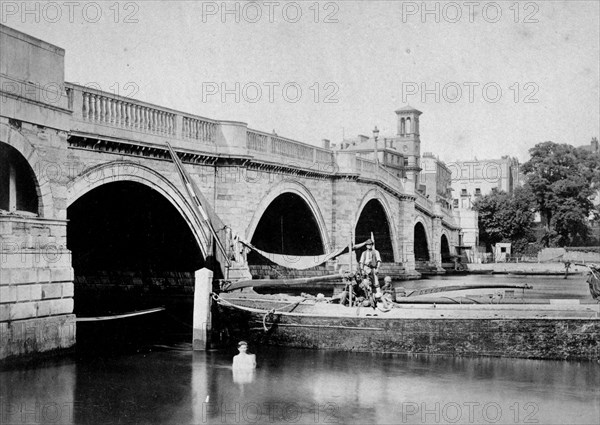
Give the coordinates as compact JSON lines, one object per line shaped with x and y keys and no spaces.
{"x":408,"y":140}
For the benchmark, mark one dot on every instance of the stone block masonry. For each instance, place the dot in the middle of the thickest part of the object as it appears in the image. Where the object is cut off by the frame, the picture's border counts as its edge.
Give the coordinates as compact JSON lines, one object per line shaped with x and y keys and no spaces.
{"x":36,"y":288}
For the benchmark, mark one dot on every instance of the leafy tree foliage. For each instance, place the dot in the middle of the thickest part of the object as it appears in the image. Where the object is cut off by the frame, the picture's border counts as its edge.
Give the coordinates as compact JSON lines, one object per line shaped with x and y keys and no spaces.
{"x":563,"y":179}
{"x":506,"y":217}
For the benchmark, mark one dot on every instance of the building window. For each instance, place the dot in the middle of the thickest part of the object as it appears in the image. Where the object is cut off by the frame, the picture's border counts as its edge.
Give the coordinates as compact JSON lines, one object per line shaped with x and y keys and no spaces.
{"x":455,"y":203}
{"x":463,"y":192}
{"x":477,"y":191}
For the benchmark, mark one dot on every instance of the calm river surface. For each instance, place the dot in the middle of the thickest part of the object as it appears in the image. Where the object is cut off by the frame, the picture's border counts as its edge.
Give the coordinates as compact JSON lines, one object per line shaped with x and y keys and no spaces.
{"x":168,"y":383}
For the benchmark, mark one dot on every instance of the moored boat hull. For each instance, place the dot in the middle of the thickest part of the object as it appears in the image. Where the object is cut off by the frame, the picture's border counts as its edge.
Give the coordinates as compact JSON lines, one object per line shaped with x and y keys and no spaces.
{"x":552,"y":332}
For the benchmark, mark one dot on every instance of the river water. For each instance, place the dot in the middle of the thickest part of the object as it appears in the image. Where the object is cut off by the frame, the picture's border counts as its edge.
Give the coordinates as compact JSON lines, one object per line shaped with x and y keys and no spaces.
{"x":155,"y":383}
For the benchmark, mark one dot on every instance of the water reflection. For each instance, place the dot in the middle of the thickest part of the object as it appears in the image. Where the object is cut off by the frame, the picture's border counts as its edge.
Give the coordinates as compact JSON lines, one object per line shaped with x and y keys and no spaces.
{"x":175,"y":385}
{"x":44,"y":393}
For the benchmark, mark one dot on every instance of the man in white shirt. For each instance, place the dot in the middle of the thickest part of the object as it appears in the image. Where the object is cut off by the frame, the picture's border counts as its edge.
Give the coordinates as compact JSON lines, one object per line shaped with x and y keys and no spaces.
{"x":244,"y":360}
{"x":369,"y":263}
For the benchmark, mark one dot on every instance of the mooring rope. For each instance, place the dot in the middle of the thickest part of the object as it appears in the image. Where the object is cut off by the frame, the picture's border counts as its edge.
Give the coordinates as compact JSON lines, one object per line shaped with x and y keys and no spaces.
{"x":269,"y":313}
{"x":266,"y":313}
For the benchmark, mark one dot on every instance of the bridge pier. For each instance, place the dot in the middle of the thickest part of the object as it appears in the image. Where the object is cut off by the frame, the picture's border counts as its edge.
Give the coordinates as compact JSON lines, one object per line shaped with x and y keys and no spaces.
{"x":36,"y":287}
{"x":436,"y":254}
{"x":406,"y":239}
{"x":202,"y":317}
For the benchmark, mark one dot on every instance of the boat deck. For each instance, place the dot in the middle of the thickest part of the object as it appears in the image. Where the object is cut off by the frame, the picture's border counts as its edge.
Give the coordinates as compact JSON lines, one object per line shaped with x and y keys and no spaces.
{"x":300,"y":306}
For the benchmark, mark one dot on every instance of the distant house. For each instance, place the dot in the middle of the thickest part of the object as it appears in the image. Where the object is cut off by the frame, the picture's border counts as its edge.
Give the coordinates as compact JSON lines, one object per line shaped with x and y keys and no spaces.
{"x":475,"y":178}
{"x":593,"y":147}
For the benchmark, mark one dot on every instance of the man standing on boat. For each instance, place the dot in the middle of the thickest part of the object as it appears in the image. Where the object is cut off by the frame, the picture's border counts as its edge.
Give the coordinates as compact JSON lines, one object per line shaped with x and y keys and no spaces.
{"x":369,"y":263}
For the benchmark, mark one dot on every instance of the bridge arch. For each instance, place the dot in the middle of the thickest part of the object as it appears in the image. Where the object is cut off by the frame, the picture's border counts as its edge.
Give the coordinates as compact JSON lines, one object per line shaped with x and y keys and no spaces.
{"x":445,"y":252}
{"x":38,"y":168}
{"x":127,"y":171}
{"x":421,"y":240}
{"x":135,"y":244}
{"x":302,"y":193}
{"x":374,"y":215}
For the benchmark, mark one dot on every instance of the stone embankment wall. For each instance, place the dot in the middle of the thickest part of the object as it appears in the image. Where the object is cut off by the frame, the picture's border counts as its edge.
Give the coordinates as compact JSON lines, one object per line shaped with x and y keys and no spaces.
{"x":574,"y":256}
{"x":528,"y":267}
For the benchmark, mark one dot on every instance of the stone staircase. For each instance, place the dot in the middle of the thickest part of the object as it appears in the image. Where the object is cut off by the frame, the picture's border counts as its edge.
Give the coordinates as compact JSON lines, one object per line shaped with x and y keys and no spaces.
{"x":396,"y":271}
{"x":428,"y":268}
{"x":274,"y":271}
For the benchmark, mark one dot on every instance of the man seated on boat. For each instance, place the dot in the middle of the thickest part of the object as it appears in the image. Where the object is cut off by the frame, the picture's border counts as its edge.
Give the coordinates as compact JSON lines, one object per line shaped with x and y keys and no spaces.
{"x":369,"y":263}
{"x":356,"y":286}
{"x":244,"y":360}
{"x":365,"y":293}
{"x":389,"y":294}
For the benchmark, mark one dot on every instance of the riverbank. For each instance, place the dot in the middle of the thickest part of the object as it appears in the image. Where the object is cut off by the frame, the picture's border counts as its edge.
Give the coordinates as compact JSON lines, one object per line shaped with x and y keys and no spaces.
{"x":537,"y":268}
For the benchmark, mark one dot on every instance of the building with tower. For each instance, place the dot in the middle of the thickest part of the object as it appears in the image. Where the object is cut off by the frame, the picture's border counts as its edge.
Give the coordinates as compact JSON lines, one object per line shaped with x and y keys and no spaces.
{"x":424,"y":177}
{"x":399,"y":154}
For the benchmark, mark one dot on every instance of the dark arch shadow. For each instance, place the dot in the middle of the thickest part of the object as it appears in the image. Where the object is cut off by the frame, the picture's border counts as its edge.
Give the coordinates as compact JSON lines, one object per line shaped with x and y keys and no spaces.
{"x":374,"y":219}
{"x":287,"y":226}
{"x":131,"y":250}
{"x":14,"y":167}
{"x":445,"y":250}
{"x":420,"y":244}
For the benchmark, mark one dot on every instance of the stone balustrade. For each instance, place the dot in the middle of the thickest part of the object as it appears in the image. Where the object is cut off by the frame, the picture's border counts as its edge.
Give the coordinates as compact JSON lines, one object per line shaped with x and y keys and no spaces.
{"x":257,"y":142}
{"x":288,"y":150}
{"x":365,"y":166}
{"x":423,"y":201}
{"x":102,"y":113}
{"x":106,"y":114}
{"x":198,"y":129}
{"x":368,"y":168}
{"x":98,"y":107}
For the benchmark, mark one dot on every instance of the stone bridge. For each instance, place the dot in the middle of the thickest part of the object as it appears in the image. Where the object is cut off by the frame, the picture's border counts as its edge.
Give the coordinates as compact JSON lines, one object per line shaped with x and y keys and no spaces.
{"x":91,"y":204}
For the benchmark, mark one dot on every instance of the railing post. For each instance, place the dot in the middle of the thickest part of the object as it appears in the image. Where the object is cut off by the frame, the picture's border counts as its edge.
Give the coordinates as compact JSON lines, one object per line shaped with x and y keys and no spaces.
{"x":178,"y":126}
{"x":77,"y":106}
{"x":202,"y":302}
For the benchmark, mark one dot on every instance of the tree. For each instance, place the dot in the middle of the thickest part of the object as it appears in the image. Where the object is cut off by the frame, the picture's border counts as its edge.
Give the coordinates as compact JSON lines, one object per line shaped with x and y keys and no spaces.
{"x":563,"y":180}
{"x":506,"y":217}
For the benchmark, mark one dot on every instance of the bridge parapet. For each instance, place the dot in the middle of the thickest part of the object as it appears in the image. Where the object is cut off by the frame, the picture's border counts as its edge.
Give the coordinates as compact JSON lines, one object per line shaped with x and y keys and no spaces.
{"x":96,"y":112}
{"x":369,"y":169}
{"x":423,"y":202}
{"x":109,"y":116}
{"x":287,"y":151}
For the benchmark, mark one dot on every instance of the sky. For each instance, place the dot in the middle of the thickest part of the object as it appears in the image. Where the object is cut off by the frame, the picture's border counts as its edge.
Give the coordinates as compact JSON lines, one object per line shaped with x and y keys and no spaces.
{"x":491,"y":78}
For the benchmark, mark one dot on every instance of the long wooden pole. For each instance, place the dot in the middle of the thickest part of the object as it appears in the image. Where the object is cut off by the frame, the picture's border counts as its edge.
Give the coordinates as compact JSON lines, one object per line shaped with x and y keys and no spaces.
{"x":201,"y":214}
{"x":350,"y":286}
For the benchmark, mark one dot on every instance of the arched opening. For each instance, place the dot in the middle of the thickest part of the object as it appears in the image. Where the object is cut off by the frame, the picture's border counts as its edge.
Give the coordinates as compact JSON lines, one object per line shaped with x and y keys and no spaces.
{"x":287,"y":226}
{"x":374,"y":219}
{"x":421,"y":246}
{"x":445,"y":250}
{"x":18,"y":189}
{"x":408,"y":126}
{"x":402,"y":126}
{"x":132,"y":250}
